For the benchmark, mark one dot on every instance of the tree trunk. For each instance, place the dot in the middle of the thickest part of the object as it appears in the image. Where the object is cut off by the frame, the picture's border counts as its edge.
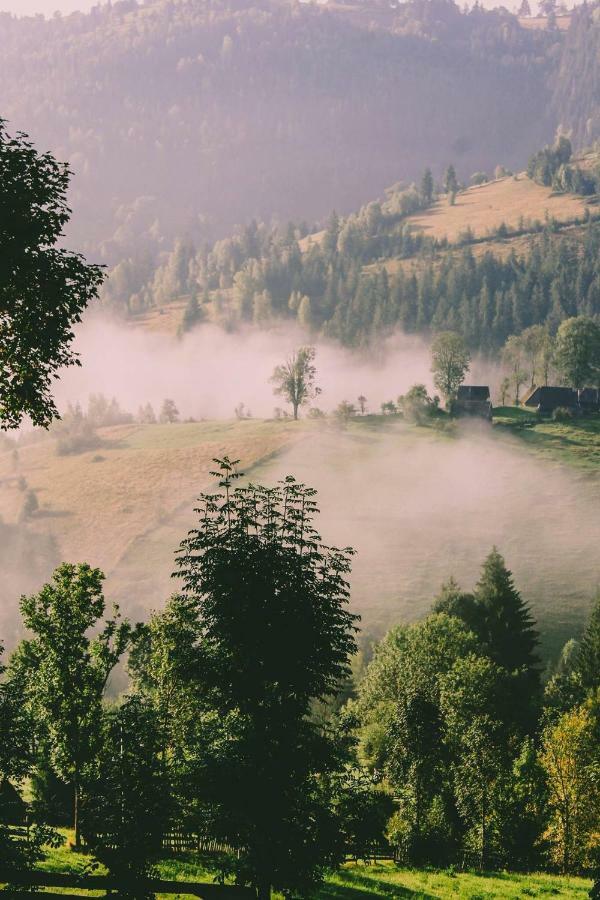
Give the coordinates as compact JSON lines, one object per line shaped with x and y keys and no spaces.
{"x":76,"y":812}
{"x":296,"y":418}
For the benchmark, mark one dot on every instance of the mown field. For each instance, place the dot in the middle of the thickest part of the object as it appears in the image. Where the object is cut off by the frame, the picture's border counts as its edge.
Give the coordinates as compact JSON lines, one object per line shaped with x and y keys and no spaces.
{"x":508,"y":200}
{"x":418,"y":504}
{"x":355,"y":881}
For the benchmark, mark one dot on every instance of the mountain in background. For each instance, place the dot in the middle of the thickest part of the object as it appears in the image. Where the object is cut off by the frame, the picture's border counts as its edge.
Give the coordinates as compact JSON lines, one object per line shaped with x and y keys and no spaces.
{"x":187,"y":118}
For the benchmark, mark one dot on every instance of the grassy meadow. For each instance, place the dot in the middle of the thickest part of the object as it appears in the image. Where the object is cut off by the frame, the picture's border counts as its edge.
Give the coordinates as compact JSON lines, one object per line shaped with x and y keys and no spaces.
{"x":355,"y":881}
{"x":418,"y":503}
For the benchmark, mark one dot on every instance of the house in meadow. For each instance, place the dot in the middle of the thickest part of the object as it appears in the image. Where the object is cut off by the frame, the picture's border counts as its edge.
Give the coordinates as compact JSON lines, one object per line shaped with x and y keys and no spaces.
{"x":473,"y":400}
{"x":545,"y":400}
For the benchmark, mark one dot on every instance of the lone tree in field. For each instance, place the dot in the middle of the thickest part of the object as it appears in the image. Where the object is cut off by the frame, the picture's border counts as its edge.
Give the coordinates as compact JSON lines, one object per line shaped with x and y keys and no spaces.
{"x":43,"y":289}
{"x":427,"y":188}
{"x":68,"y":669}
{"x":275,"y":638}
{"x":169,"y":414}
{"x":451,"y":184}
{"x":295,"y":379}
{"x":450,"y":363}
{"x":578,"y":351}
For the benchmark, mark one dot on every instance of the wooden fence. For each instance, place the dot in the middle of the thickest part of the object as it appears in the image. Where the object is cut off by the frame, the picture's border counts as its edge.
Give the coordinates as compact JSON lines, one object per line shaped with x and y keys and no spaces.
{"x":29,"y":881}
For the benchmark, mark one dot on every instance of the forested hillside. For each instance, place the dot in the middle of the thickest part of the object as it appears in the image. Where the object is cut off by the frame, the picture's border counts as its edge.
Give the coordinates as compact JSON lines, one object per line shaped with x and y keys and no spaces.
{"x":488,"y":262}
{"x":577,"y":93}
{"x":189,"y":118}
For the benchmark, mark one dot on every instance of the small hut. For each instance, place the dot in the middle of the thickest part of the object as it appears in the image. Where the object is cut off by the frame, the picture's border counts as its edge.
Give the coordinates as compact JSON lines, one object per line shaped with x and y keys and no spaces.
{"x":473,"y":400}
{"x":547,"y":399}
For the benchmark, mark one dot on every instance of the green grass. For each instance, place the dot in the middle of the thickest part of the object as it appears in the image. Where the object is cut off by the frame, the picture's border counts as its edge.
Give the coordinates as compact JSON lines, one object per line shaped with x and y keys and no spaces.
{"x":575,"y":443}
{"x":356,"y":880}
{"x":385,"y":880}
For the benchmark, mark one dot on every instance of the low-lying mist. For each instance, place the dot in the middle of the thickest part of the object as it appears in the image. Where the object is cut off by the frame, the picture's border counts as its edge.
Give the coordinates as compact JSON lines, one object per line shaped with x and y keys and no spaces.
{"x":209,"y":371}
{"x":419,"y":507}
{"x":417,"y":504}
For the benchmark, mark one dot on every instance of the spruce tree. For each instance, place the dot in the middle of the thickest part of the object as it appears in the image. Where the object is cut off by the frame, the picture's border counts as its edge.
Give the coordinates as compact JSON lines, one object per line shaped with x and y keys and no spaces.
{"x":588,"y":657}
{"x":505,"y":622}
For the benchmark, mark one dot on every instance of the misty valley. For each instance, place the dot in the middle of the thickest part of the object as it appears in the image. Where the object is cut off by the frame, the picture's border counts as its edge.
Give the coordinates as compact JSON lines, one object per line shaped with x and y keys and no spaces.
{"x":300,"y":449}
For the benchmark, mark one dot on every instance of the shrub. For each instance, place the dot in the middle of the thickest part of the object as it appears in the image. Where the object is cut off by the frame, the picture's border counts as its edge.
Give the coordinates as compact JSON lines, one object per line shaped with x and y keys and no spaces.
{"x":562,"y":414}
{"x":30,"y":505}
{"x":77,"y":436}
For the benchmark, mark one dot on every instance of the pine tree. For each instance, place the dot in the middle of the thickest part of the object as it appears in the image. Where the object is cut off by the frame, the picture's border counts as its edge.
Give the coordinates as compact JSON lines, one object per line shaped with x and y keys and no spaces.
{"x":588,"y":657}
{"x":427,"y":188}
{"x":506,"y":625}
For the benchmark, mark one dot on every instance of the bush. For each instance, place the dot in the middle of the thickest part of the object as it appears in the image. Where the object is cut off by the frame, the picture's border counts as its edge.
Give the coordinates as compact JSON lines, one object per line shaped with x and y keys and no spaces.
{"x":416,"y":405}
{"x":30,"y":505}
{"x":562,"y":414}
{"x":77,"y":436}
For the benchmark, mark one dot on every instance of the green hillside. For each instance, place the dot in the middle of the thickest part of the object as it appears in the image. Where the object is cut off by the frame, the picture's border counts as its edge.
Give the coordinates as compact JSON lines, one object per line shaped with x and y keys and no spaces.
{"x":419,"y":504}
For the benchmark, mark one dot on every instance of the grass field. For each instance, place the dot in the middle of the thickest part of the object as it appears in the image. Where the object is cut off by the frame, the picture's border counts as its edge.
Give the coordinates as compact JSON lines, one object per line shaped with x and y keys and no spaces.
{"x":357,"y":880}
{"x":505,"y":200}
{"x":575,"y":443}
{"x":418,"y":504}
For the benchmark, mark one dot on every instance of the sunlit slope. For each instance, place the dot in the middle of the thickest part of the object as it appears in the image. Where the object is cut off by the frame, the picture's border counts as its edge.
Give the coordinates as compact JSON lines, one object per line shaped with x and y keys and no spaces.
{"x":418,"y":505}
{"x":501,"y":217}
{"x":513,"y":201}
{"x":97,"y":505}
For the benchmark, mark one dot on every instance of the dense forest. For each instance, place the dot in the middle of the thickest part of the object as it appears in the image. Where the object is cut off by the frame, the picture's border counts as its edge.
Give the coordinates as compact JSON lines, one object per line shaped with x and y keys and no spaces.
{"x":179,"y":117}
{"x":340,"y":286}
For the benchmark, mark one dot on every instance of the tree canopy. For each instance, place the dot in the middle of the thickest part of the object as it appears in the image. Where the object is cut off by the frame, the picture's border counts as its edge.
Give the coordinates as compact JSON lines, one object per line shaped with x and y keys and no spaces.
{"x":43,"y":288}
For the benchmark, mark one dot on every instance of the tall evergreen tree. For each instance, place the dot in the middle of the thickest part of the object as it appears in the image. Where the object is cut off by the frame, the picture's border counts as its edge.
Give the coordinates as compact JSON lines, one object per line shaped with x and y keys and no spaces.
{"x":588,"y":656}
{"x":505,"y":622}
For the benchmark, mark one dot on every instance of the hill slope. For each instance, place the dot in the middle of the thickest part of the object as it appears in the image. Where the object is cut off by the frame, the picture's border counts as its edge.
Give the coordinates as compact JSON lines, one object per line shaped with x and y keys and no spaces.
{"x":417,"y":504}
{"x":188,"y":118}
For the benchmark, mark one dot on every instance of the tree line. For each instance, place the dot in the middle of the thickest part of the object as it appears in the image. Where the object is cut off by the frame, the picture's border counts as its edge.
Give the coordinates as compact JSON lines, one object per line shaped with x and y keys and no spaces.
{"x":339,"y":285}
{"x":447,"y":745}
{"x":192,"y":119}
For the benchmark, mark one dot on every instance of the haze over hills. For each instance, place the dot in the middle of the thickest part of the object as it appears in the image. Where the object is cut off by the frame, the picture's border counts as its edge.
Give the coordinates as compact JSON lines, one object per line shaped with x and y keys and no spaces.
{"x":186,"y":118}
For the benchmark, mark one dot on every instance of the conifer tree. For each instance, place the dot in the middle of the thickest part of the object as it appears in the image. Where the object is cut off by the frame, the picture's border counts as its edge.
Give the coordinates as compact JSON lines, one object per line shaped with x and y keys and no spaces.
{"x":588,"y":656}
{"x":505,"y":623}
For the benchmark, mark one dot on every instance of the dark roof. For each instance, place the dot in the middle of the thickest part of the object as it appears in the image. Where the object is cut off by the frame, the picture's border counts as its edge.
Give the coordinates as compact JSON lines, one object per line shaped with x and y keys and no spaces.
{"x":551,"y":397}
{"x":589,"y":395}
{"x":480,"y":393}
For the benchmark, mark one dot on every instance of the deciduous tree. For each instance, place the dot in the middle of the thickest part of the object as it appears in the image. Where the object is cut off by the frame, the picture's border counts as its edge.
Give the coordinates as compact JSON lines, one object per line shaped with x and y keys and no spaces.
{"x":295,"y":379}
{"x":69,"y":669}
{"x":450,"y":363}
{"x":43,"y":288}
{"x":257,"y":574}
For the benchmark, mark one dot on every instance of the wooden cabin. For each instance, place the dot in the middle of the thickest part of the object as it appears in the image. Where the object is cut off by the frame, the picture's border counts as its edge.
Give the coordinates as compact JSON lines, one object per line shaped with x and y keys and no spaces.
{"x":547,"y":399}
{"x":473,"y":400}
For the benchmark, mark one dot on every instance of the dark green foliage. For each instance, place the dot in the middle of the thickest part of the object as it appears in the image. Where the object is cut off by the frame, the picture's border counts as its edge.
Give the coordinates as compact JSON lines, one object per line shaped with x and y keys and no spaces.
{"x":482,"y":298}
{"x":578,"y":351}
{"x":43,"y":289}
{"x":363,"y":811}
{"x":544,"y":165}
{"x":274,"y":638}
{"x":192,"y":314}
{"x":427,"y":187}
{"x":15,"y":762}
{"x":126,"y":804}
{"x":587,"y":657}
{"x":64,"y":672}
{"x":506,"y":627}
{"x":52,"y":798}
